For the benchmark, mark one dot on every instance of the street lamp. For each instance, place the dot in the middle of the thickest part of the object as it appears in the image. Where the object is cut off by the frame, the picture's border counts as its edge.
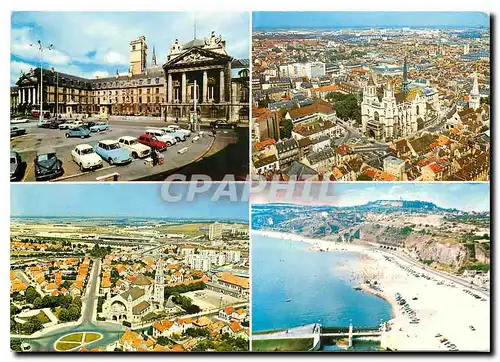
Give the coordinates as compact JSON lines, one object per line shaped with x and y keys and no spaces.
{"x":41,"y":49}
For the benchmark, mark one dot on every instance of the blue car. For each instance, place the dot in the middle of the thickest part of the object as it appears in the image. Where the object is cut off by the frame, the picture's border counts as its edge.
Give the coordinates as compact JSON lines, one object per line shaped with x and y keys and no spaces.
{"x":112,"y":152}
{"x":99,"y":127}
{"x":78,"y":132}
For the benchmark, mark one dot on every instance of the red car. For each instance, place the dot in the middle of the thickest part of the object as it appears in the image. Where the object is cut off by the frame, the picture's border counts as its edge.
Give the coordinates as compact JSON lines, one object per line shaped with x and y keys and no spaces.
{"x":152,"y":142}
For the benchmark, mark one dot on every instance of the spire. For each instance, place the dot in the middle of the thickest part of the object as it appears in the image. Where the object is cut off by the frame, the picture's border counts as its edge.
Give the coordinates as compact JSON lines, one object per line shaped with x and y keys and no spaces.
{"x":153,"y":60}
{"x":475,"y":86}
{"x":371,"y":82}
{"x":405,"y":76}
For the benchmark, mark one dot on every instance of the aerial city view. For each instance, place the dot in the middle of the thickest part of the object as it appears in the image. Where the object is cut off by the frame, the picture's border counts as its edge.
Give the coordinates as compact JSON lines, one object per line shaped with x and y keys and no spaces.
{"x":120,"y":103}
{"x":371,"y":96}
{"x":89,"y":272}
{"x":384,"y":267}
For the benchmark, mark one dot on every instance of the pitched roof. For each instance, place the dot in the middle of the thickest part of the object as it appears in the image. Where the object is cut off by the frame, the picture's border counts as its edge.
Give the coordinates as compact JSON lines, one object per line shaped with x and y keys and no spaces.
{"x":318,"y":106}
{"x":134,"y":292}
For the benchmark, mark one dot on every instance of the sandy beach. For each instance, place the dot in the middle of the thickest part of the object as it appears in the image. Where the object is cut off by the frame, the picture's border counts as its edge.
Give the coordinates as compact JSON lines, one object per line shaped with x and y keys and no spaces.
{"x":441,"y":305}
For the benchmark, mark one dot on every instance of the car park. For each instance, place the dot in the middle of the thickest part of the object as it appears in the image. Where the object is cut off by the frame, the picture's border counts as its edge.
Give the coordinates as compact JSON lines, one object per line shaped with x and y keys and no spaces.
{"x":178,"y":135}
{"x":112,"y":152}
{"x":47,"y":165}
{"x":99,"y":127}
{"x":88,"y":124}
{"x":86,"y":158}
{"x":151,"y":141}
{"x":162,"y":136}
{"x":15,"y":166}
{"x":78,"y":132}
{"x":17,"y":131}
{"x":136,"y":149}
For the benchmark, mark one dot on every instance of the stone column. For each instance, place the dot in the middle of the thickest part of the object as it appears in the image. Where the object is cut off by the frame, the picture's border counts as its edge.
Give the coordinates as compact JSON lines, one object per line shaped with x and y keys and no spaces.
{"x":29,"y":95}
{"x":205,"y":86}
{"x":169,"y":89}
{"x":183,"y":87}
{"x":19,"y":96}
{"x":222,"y":81}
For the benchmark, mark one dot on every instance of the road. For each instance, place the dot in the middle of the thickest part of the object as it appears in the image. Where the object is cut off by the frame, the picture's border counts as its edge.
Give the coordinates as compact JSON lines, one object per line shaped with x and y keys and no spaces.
{"x":438,"y":273}
{"x":91,"y":295}
{"x":206,"y":146}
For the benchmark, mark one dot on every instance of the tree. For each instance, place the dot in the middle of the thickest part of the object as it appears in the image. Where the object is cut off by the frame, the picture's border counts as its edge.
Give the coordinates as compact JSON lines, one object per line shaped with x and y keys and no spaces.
{"x":32,"y":325}
{"x":37,"y":303}
{"x":31,"y":295}
{"x":286,"y":127}
{"x":164,"y":341}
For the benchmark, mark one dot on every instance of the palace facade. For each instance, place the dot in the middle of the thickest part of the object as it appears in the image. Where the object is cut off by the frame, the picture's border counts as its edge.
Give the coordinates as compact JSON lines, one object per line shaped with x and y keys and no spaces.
{"x":168,"y":91}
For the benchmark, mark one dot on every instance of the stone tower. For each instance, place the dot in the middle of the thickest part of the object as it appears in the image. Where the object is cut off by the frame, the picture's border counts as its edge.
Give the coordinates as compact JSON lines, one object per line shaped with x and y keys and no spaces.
{"x":474,"y":97}
{"x":138,"y":55}
{"x":159,"y":287}
{"x":405,"y":76}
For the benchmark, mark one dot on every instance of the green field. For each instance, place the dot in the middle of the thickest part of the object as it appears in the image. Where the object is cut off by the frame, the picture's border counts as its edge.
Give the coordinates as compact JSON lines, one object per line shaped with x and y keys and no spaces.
{"x":42,"y":317}
{"x":282,"y":345}
{"x":73,"y":337}
{"x":66,"y":346}
{"x":91,"y":337}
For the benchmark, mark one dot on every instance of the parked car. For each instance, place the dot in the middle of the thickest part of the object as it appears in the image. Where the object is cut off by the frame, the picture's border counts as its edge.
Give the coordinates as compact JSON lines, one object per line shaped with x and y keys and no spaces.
{"x":222,"y":124}
{"x":17,"y":131}
{"x":78,"y":132}
{"x":99,"y":127}
{"x":89,"y":124}
{"x":162,"y":136}
{"x":68,"y":124}
{"x":86,"y":158}
{"x":179,"y":128}
{"x":136,"y":149}
{"x":178,"y":135}
{"x":15,"y":166}
{"x":54,"y":124}
{"x":47,"y":165}
{"x":151,"y":141}
{"x":19,"y":120}
{"x":112,"y":152}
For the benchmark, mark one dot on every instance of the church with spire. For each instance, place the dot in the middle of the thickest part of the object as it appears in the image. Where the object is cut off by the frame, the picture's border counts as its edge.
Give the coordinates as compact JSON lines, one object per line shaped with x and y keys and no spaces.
{"x":395,"y":115}
{"x":474,"y":96}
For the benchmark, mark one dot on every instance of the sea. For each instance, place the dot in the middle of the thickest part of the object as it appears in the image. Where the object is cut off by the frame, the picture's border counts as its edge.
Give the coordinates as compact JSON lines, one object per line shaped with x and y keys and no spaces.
{"x":294,"y":286}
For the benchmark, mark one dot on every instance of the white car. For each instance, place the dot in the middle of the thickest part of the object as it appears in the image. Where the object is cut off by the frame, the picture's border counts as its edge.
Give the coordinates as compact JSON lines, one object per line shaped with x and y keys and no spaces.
{"x":136,"y":149}
{"x":162,"y":136}
{"x":70,"y":124}
{"x":177,"y":134}
{"x":85,"y":157}
{"x":180,"y":129}
{"x":19,"y":120}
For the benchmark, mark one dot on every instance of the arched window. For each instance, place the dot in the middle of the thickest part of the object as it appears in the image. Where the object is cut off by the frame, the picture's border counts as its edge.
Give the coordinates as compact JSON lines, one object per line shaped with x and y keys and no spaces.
{"x":375,"y":116}
{"x":418,"y":110}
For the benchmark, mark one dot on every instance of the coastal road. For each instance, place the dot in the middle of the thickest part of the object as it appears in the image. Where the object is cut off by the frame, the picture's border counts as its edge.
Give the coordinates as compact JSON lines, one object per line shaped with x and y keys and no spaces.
{"x":439,"y":273}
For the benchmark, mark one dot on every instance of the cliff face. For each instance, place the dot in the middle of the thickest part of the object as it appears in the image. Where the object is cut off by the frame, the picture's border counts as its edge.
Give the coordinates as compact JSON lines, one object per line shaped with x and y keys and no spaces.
{"x":482,"y":255}
{"x":424,"y":246}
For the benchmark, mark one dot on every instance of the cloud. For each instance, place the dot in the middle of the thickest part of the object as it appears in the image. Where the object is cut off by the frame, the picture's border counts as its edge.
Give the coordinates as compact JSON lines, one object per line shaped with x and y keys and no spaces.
{"x":100,"y":74}
{"x":16,"y":68}
{"x":87,"y":42}
{"x":115,"y":58}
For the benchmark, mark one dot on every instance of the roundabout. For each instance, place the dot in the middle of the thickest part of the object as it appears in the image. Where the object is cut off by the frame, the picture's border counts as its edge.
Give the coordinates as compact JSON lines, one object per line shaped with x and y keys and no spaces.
{"x":74,"y":341}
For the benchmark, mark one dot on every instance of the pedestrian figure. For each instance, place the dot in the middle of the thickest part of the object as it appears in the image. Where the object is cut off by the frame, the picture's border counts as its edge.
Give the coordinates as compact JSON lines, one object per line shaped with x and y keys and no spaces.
{"x":154,"y":156}
{"x":176,"y":119}
{"x":214,"y":132}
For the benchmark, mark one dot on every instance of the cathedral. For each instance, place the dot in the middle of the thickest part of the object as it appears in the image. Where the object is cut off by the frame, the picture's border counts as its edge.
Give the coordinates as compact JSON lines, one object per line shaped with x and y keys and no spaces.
{"x":395,"y":115}
{"x":142,"y":297}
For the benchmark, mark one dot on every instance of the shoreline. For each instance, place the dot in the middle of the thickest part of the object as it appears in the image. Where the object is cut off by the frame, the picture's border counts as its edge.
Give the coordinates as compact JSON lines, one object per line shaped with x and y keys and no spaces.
{"x":442,"y":307}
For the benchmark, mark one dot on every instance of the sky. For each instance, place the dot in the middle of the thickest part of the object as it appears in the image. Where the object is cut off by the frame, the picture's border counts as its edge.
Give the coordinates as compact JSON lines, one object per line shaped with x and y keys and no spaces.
{"x":121,"y":200}
{"x":87,"y":44}
{"x":367,"y":19}
{"x":461,"y":196}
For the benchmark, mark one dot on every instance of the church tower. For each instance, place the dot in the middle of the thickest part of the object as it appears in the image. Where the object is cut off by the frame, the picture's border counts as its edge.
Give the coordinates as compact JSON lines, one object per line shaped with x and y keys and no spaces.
{"x":138,"y":55}
{"x":474,"y":97}
{"x":405,"y":77}
{"x":153,"y":60}
{"x":159,"y":287}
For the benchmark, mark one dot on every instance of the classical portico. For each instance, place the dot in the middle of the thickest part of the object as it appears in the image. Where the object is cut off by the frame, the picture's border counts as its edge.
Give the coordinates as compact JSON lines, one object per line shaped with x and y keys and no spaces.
{"x":198,"y":70}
